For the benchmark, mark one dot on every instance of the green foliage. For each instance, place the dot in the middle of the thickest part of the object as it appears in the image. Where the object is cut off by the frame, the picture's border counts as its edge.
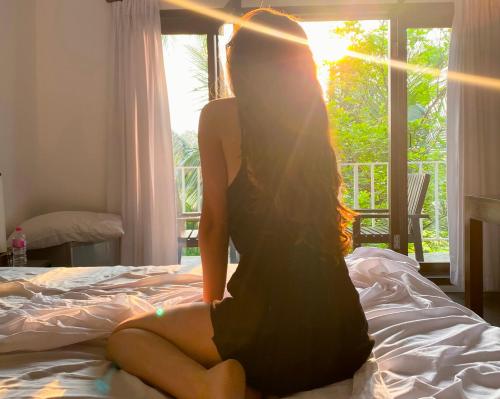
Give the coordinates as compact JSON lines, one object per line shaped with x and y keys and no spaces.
{"x":186,"y":155}
{"x":357,"y":96}
{"x":185,"y":144}
{"x":198,"y":56}
{"x":357,"y":100}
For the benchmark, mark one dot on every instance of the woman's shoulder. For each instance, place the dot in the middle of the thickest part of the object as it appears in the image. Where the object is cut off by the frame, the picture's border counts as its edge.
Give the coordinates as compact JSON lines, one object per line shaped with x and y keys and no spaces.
{"x":219,"y":106}
{"x":218,"y":115}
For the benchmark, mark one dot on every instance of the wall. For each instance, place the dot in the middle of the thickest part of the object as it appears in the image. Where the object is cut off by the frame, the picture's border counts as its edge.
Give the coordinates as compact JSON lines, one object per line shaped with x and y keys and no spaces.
{"x":17,"y":108}
{"x":54,"y":85}
{"x":72,"y":70}
{"x":54,"y":69}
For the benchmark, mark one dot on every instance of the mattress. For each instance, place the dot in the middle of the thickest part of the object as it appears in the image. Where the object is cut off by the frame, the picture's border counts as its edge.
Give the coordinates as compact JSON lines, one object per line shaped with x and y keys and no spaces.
{"x":54,"y":323}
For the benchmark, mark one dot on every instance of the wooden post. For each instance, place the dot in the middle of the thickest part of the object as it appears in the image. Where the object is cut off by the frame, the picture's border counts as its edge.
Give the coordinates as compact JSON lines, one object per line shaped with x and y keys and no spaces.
{"x":478,"y":210}
{"x":212,"y":48}
{"x":474,"y":268}
{"x":398,"y":166}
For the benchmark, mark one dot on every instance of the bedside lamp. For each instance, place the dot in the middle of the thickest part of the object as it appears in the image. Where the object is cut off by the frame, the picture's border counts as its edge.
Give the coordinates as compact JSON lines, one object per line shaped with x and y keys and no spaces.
{"x":3,"y":239}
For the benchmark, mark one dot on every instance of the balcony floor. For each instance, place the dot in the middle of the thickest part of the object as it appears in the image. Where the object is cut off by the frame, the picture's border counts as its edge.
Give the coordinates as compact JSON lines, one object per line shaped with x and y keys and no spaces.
{"x":434,"y":257}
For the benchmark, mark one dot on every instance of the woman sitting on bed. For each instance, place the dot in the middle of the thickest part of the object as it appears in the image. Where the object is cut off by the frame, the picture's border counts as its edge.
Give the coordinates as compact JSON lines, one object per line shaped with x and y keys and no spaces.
{"x":270,"y":182}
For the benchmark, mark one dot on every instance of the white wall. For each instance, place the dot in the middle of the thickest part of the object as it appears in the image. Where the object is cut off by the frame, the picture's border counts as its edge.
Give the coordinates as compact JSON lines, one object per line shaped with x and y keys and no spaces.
{"x":72,"y":69}
{"x":17,"y":108}
{"x":54,"y":60}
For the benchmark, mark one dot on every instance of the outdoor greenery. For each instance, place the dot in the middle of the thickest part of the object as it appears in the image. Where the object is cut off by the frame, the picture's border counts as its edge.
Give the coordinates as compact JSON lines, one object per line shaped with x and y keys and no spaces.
{"x":357,"y":99}
{"x":185,"y":143}
{"x":186,"y":155}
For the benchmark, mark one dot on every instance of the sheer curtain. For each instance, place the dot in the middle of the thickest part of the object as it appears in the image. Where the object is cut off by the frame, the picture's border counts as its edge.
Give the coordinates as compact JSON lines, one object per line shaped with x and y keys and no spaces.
{"x":141,"y":178}
{"x":474,"y":129}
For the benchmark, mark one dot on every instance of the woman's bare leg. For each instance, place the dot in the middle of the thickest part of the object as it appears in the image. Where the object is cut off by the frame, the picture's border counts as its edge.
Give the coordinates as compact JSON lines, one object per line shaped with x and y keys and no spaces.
{"x":171,"y":352}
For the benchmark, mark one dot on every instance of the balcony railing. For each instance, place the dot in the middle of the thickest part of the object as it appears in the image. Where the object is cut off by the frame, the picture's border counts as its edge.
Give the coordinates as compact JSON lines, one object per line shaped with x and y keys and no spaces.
{"x":366,"y":187}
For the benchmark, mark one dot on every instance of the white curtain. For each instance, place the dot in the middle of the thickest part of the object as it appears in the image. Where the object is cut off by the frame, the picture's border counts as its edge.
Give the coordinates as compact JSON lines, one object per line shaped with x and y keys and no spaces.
{"x":474,"y":129}
{"x":141,"y":183}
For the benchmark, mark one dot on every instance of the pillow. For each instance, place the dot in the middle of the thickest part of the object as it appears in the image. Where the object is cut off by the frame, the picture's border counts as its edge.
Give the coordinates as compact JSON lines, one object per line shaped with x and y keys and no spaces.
{"x":58,"y":228}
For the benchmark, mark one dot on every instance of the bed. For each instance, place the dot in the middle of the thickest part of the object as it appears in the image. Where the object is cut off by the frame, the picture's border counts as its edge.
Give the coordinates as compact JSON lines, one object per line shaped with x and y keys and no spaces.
{"x":54,"y":322}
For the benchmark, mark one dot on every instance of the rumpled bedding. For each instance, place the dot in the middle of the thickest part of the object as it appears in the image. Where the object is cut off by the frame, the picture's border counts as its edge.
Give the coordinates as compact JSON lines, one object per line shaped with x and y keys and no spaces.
{"x":54,"y":322}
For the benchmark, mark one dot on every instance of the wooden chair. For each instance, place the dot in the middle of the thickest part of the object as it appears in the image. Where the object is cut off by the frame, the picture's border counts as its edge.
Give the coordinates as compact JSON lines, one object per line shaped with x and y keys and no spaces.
{"x":417,"y":190}
{"x":188,"y":238}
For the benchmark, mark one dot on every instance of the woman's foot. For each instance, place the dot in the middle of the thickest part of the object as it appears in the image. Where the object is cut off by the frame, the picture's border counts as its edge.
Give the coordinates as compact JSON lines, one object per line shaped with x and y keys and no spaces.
{"x":226,"y":380}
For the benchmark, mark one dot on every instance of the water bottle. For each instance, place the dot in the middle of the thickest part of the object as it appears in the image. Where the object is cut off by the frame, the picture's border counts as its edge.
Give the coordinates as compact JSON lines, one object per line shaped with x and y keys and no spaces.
{"x":18,"y":245}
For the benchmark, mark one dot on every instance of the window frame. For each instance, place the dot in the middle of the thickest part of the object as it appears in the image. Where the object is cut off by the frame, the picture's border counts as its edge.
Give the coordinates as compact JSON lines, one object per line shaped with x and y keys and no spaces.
{"x":401,"y":17}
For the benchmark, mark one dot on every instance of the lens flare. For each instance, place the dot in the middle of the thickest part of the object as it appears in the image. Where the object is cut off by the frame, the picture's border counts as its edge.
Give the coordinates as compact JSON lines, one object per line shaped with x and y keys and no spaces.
{"x":160,"y":312}
{"x":469,"y":79}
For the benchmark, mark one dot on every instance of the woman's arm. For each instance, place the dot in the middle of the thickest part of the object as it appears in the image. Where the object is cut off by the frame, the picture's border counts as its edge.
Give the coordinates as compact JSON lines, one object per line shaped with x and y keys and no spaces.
{"x":213,"y":232}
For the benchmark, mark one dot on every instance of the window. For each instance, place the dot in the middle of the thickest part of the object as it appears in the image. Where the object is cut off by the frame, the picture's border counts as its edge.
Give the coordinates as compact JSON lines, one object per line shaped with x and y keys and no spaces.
{"x":388,"y":122}
{"x":429,"y":47}
{"x":356,"y":93}
{"x":187,"y":83}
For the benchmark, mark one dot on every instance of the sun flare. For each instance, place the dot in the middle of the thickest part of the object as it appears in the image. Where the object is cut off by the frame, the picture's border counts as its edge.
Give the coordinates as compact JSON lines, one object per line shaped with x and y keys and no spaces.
{"x":482,"y":81}
{"x":325,"y":45}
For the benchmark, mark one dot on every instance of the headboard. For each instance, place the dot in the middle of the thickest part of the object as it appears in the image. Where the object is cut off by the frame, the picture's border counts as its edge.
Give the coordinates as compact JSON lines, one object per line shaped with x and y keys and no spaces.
{"x":477,"y":211}
{"x":3,"y":241}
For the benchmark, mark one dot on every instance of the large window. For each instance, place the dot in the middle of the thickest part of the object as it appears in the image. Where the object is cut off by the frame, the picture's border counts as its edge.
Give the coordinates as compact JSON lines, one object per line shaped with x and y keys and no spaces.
{"x":429,"y":47}
{"x":356,"y":93}
{"x":186,"y":68}
{"x":388,"y":122}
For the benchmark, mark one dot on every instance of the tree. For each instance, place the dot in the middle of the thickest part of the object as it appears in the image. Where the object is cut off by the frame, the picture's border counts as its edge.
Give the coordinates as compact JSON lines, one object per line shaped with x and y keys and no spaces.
{"x":357,"y":99}
{"x":185,"y":143}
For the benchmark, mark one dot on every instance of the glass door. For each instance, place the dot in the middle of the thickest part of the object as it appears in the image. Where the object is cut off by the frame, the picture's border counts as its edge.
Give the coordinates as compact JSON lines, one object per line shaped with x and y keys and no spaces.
{"x":388,"y":121}
{"x":427,"y":90}
{"x":356,"y":91}
{"x":186,"y":70}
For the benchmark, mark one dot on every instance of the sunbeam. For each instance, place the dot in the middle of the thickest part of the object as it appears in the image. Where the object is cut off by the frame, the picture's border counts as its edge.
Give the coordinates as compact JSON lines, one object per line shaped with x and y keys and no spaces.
{"x":476,"y":80}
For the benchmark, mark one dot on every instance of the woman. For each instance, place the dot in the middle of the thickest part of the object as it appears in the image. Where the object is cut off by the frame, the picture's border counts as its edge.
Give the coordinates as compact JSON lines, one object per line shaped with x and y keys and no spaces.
{"x":294,"y":321}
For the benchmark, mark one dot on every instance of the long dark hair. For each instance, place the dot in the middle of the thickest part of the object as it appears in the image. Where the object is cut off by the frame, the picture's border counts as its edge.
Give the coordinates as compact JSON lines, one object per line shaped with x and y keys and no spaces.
{"x":286,"y":141}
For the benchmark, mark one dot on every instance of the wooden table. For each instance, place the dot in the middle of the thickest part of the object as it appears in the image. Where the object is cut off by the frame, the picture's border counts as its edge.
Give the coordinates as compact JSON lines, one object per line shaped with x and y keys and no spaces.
{"x":30,"y":263}
{"x":478,"y":210}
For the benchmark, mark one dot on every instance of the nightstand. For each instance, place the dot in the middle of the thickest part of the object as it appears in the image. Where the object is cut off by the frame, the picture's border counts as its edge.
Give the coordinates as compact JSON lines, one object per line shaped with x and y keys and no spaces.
{"x":30,"y":263}
{"x":38,"y":263}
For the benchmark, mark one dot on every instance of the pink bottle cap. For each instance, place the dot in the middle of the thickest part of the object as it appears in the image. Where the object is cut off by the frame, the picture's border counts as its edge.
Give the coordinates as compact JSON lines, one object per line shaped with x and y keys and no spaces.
{"x":19,"y":229}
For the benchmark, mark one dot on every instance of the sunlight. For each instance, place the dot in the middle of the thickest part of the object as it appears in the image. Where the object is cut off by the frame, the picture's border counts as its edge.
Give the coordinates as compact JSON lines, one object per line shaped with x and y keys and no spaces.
{"x":481,"y":81}
{"x":51,"y":390}
{"x":325,"y":45}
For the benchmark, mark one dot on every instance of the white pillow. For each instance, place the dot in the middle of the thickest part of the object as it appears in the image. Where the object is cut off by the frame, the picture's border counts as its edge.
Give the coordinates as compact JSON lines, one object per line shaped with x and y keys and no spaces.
{"x":58,"y":228}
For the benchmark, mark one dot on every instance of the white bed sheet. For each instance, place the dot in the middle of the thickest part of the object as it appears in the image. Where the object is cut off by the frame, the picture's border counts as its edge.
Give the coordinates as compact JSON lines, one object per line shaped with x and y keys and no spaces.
{"x":53,"y":325}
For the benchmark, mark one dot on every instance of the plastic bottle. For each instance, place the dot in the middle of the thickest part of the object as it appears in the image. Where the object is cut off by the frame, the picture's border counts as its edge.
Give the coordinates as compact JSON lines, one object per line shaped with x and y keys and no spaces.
{"x":18,"y":245}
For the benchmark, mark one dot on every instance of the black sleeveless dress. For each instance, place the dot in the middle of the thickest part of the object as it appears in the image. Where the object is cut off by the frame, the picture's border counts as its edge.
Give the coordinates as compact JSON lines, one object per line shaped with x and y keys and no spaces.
{"x":294,"y":320}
